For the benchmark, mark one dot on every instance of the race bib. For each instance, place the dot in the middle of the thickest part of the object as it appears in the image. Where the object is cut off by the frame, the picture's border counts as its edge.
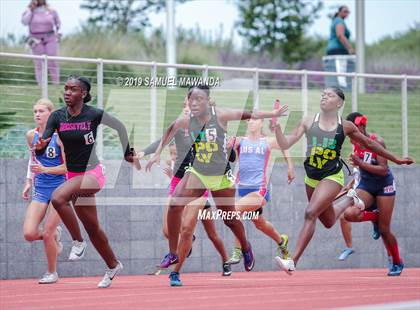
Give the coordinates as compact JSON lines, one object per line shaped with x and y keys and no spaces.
{"x":367,"y":158}
{"x":211,"y":134}
{"x":50,"y":152}
{"x":89,"y":139}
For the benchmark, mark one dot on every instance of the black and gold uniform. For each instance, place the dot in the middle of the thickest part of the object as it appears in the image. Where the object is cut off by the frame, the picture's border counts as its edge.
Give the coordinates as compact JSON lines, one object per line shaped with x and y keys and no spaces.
{"x":323,"y":154}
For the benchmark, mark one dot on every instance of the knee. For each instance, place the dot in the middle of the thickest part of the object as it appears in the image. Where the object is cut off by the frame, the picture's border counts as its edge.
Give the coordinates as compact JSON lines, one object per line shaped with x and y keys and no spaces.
{"x":351,"y":215}
{"x":92,"y":228}
{"x":30,"y":235}
{"x":231,"y":223}
{"x":310,"y":214}
{"x":347,"y":216}
{"x":212,"y":236}
{"x":48,"y":233}
{"x":57,"y":200}
{"x":186,"y":232}
{"x":259,"y":225}
{"x":328,"y":225}
{"x":385,"y":230}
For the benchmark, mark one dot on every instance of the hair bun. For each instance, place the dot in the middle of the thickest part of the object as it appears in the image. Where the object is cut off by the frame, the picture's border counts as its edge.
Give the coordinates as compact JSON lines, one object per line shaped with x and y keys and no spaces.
{"x":86,"y":81}
{"x":87,"y":98}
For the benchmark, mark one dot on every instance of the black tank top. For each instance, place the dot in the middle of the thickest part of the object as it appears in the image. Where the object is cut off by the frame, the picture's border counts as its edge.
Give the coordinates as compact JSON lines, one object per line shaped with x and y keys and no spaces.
{"x":210,"y":156}
{"x":323,"y":150}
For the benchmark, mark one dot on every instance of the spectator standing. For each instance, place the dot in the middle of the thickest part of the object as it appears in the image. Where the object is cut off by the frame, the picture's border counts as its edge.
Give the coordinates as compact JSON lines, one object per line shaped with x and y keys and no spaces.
{"x":44,"y":24}
{"x":338,"y":43}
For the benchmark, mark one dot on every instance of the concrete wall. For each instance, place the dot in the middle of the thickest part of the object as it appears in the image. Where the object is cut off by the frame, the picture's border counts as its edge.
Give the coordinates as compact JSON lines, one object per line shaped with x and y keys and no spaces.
{"x":130,"y":211}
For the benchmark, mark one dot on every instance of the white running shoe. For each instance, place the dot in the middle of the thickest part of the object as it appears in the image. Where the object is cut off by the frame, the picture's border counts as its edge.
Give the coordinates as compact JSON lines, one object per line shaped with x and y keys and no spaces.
{"x":77,"y":250}
{"x":358,"y":202}
{"x":48,"y":278}
{"x":287,"y":265}
{"x":58,"y":240}
{"x":109,"y":275}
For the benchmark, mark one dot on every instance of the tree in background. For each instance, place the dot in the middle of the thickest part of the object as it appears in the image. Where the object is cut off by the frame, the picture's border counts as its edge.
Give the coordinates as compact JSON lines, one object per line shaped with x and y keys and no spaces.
{"x":121,"y":15}
{"x":278,"y":26}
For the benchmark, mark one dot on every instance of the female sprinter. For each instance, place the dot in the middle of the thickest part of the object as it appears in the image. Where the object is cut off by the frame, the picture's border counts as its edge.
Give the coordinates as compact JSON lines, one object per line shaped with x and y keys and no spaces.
{"x":49,"y":169}
{"x":181,"y":159}
{"x":324,"y":177}
{"x":376,"y":185}
{"x":210,"y":169}
{"x":254,"y":154}
{"x":77,"y":124}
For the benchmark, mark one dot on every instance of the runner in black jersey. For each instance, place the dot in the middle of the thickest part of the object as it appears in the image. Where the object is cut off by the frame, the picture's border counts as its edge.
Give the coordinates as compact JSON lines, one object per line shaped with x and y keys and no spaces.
{"x":324,"y":178}
{"x":77,"y":124}
{"x":210,"y":169}
{"x":182,"y":160}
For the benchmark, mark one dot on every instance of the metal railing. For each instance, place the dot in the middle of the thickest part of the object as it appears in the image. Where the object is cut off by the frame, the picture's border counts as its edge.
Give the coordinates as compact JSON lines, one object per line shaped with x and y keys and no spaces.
{"x":256,"y":76}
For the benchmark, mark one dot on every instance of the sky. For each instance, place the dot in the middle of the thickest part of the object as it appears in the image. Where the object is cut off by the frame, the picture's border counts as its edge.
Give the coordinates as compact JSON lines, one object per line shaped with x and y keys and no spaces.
{"x":383,"y":17}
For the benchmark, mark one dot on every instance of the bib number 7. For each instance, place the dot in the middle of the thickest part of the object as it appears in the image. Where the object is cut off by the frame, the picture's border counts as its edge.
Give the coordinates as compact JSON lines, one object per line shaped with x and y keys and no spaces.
{"x":367,"y":158}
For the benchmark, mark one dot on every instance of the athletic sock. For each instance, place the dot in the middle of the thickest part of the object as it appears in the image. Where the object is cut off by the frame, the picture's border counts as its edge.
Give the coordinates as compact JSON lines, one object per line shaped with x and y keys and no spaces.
{"x":387,"y":248}
{"x":394,"y":252}
{"x":396,"y":259}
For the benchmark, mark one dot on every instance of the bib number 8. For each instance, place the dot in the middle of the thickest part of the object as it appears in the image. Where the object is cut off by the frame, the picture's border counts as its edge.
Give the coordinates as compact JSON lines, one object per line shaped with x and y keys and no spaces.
{"x":50,"y":152}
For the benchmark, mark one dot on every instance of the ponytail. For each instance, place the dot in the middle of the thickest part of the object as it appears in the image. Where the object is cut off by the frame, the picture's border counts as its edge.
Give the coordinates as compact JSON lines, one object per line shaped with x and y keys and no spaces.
{"x":87,"y":98}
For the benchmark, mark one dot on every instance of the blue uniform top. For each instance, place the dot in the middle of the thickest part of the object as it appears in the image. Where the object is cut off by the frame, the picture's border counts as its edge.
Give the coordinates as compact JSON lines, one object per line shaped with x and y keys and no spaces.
{"x":253,"y":161}
{"x":333,"y":41}
{"x":50,"y":158}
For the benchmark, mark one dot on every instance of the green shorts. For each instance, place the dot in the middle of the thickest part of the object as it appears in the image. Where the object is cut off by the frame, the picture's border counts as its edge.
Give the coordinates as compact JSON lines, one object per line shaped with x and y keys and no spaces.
{"x":338,"y":177}
{"x":214,"y":182}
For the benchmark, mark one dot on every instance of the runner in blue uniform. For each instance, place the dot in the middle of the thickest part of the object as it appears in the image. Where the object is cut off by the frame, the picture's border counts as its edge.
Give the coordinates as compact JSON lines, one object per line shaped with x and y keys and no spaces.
{"x":254,"y":150}
{"x":45,"y":173}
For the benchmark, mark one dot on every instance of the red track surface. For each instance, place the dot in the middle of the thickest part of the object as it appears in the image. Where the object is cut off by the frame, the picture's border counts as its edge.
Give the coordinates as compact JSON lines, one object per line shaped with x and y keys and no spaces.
{"x":318,"y":289}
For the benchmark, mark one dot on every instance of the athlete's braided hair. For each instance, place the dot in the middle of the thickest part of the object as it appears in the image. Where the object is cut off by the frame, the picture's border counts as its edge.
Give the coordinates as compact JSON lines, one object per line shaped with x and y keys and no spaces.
{"x":338,"y":91}
{"x":202,"y":86}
